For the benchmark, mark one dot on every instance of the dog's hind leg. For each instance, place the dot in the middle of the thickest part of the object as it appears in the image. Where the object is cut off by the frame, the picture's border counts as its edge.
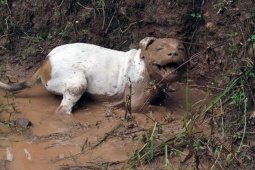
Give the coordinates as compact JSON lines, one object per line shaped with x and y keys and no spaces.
{"x":71,"y":95}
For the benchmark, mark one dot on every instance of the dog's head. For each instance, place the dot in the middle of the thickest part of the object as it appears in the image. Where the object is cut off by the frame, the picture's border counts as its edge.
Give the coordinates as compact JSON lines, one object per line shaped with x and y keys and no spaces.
{"x":162,"y":56}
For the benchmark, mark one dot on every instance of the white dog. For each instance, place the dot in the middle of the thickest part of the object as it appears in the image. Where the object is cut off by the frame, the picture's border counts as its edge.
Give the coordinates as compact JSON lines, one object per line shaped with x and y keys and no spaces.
{"x":106,"y":75}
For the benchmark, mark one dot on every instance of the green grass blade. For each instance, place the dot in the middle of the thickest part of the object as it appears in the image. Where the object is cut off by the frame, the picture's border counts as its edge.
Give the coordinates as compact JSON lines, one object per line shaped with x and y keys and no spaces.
{"x":217,"y":99}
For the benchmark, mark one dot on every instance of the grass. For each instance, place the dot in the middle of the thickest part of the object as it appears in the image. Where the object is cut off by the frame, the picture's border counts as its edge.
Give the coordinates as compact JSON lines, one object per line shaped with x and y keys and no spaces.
{"x":100,"y":3}
{"x":252,"y":40}
{"x":153,"y":144}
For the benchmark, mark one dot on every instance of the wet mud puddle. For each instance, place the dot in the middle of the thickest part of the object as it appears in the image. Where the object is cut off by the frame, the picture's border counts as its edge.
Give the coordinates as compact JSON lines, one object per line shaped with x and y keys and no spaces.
{"x":95,"y":134}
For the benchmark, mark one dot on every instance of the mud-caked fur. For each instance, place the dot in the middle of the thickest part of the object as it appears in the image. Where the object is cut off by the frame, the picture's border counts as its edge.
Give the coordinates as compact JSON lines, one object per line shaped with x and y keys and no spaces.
{"x":74,"y":69}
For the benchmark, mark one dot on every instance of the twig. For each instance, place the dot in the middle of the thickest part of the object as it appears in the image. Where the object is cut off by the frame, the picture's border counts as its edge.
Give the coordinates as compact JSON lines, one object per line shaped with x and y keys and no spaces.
{"x":67,"y":157}
{"x":84,"y":6}
{"x":103,"y":8}
{"x":83,"y":146}
{"x":112,"y":17}
{"x":10,"y":123}
{"x":192,"y":37}
{"x":108,"y":134}
{"x":6,"y":1}
{"x":230,"y":152}
{"x":3,"y":48}
{"x":209,"y":87}
{"x":60,"y":3}
{"x":110,"y":22}
{"x":244,"y":44}
{"x":140,"y":130}
{"x":95,"y":166}
{"x":247,"y":132}
{"x":128,"y":98}
{"x":216,"y":159}
{"x":133,"y":23}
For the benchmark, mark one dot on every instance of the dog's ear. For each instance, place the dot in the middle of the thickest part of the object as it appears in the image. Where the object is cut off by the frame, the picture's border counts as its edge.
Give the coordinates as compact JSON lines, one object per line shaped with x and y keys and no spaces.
{"x":144,"y":43}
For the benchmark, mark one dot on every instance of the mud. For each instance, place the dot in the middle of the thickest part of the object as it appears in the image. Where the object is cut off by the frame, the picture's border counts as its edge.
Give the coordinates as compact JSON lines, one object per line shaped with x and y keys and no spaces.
{"x":94,"y":135}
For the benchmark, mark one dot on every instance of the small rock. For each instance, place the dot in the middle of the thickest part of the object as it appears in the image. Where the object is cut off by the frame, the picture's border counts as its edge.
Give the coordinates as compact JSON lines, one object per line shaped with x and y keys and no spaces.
{"x":209,"y":25}
{"x":27,"y":153}
{"x":23,"y":122}
{"x":61,"y":156}
{"x":252,"y":115}
{"x":9,"y":155}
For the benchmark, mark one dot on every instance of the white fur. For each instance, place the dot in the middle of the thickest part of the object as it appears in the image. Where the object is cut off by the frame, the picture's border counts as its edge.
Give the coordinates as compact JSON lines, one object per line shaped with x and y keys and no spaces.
{"x":98,"y":71}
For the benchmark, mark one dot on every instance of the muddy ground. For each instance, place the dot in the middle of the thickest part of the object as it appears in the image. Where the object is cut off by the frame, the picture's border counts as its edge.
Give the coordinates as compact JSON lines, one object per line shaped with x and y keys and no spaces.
{"x":53,"y":141}
{"x":222,"y":29}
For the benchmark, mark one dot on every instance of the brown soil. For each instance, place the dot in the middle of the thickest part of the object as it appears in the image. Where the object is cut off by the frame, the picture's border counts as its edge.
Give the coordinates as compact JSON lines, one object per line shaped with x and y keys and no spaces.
{"x":29,"y":29}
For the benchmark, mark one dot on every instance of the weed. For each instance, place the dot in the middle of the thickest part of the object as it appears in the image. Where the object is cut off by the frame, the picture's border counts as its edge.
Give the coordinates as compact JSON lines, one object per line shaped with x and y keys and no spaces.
{"x":3,"y":2}
{"x":39,"y":38}
{"x":52,"y":35}
{"x":100,"y":3}
{"x":152,"y":144}
{"x":29,"y":51}
{"x":197,"y":16}
{"x":167,"y":162}
{"x":252,"y":39}
{"x":9,"y":22}
{"x":155,"y":143}
{"x":218,"y":5}
{"x":72,"y":157}
{"x":85,"y":31}
{"x":232,"y":35}
{"x":57,"y":13}
{"x":63,"y":33}
{"x":2,"y":70}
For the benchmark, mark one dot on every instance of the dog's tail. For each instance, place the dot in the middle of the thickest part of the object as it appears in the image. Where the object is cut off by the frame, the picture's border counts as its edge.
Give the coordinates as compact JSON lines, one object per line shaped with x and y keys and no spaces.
{"x":19,"y":86}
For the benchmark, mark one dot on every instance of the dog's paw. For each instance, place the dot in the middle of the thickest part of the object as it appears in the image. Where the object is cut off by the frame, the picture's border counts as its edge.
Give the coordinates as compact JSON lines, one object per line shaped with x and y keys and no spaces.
{"x":63,"y":110}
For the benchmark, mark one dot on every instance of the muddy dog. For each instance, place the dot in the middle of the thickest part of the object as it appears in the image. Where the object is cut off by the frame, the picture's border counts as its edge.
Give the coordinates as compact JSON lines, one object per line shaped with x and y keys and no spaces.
{"x":106,"y":75}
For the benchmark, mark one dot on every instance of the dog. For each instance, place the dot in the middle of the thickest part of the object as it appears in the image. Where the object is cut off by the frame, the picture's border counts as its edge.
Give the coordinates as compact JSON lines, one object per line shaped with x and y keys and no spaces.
{"x":107,"y":75}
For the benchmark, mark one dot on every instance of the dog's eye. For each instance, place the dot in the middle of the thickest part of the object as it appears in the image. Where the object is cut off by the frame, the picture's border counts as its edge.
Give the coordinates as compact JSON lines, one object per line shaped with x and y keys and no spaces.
{"x":181,"y":49}
{"x":160,"y":48}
